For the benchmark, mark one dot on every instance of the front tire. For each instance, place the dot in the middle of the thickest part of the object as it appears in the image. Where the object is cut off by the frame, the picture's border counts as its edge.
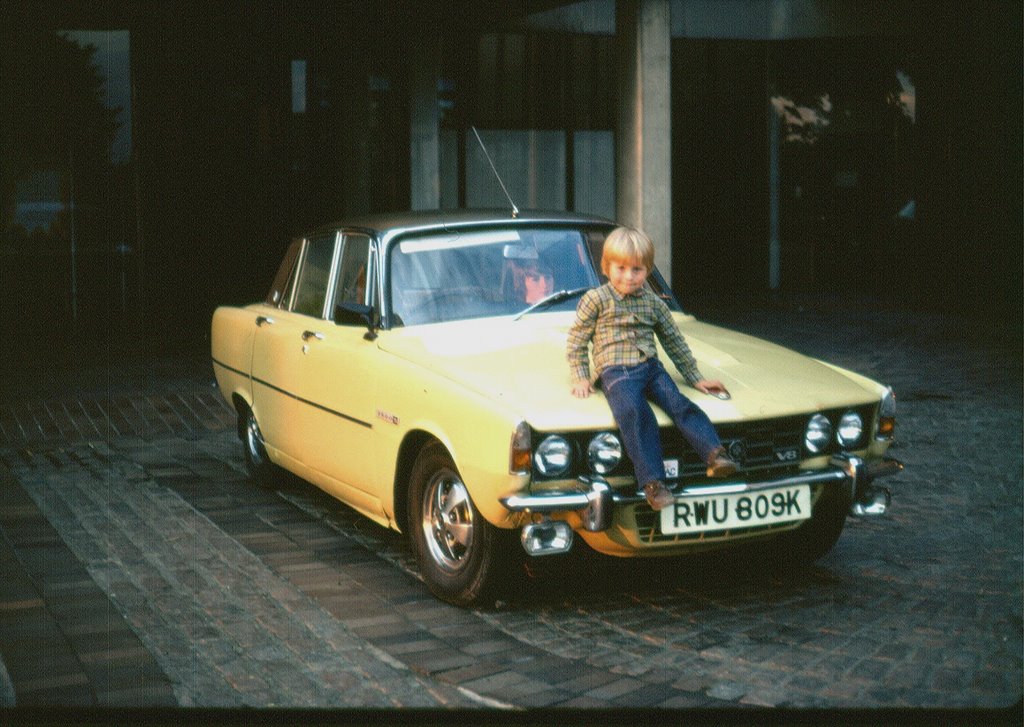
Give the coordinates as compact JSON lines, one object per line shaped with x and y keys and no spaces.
{"x":815,"y":537}
{"x":462,"y":557}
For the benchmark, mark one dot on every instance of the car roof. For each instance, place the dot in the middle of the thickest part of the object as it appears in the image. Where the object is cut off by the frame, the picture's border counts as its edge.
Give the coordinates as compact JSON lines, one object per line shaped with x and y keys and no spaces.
{"x":396,"y":222}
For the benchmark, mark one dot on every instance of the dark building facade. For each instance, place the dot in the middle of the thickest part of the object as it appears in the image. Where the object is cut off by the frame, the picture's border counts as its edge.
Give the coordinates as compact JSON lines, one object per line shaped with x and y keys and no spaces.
{"x":158,"y":156}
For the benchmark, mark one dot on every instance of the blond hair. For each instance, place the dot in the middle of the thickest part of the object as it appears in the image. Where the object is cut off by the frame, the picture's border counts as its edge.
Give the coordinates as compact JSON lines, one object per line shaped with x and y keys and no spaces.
{"x":627,"y":244}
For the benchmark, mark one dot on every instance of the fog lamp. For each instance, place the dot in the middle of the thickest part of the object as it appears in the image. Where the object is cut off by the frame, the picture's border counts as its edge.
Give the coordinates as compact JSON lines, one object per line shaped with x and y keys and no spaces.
{"x":548,"y":537}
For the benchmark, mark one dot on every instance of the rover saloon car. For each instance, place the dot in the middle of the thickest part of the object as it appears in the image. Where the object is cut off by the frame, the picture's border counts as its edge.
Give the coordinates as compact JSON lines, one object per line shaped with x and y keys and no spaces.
{"x":414,"y":368}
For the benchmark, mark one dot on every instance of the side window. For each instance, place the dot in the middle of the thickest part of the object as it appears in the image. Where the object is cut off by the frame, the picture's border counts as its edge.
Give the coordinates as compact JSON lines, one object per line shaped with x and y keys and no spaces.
{"x":277,"y":296}
{"x":314,"y":273}
{"x":354,"y":270}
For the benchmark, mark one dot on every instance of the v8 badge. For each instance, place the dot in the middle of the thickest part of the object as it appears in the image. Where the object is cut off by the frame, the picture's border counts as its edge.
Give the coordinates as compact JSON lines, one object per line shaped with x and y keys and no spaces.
{"x":787,"y":454}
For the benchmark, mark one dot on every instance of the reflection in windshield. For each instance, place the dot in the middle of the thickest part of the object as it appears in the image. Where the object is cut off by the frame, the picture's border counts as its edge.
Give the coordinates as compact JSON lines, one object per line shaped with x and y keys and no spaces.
{"x":550,"y":299}
{"x":455,"y":276}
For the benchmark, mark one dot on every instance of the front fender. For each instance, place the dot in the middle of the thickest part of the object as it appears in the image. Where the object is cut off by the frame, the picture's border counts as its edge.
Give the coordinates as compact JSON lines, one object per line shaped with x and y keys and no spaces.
{"x":476,"y":431}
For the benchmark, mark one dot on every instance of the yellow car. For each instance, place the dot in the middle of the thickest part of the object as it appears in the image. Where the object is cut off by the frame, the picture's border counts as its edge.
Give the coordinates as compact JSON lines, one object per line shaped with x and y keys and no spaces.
{"x":414,"y":367}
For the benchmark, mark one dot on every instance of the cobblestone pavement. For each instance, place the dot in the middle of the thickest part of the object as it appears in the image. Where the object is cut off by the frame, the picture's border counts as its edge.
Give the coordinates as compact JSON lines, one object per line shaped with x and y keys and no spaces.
{"x":222,"y":593}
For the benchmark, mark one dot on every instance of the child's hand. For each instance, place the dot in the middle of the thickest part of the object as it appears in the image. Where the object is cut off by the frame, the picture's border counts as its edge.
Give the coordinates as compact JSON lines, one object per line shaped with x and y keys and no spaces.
{"x":582,"y":389}
{"x":714,"y":387}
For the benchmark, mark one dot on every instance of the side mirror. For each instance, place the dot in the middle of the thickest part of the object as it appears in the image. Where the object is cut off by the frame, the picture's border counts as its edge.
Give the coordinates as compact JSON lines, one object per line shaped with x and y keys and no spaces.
{"x":355,"y":314}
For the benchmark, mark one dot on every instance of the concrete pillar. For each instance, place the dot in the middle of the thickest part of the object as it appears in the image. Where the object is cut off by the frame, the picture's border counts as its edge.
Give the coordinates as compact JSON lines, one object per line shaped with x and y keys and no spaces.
{"x":353,"y":149}
{"x":424,"y":129}
{"x":643,"y":156}
{"x":774,"y":176}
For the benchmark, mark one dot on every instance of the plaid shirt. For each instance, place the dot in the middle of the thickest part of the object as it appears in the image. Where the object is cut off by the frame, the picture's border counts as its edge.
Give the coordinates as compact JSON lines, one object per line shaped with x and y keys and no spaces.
{"x":622,"y":329}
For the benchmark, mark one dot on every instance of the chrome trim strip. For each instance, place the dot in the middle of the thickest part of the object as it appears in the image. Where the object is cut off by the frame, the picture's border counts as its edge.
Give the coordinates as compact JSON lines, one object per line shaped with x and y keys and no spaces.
{"x":579,"y":500}
{"x":332,"y":279}
{"x":598,"y":500}
{"x":232,"y":369}
{"x":313,"y":404}
{"x":546,"y":503}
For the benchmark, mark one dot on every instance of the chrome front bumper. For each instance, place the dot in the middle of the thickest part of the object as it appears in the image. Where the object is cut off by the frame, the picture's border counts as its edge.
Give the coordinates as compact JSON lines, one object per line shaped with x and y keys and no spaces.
{"x":596,"y":500}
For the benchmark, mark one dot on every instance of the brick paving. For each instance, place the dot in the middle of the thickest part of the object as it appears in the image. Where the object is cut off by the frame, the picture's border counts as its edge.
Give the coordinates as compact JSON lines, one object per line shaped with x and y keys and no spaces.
{"x":225,"y":630}
{"x":63,"y":641}
{"x":229,"y":594}
{"x":98,"y":418}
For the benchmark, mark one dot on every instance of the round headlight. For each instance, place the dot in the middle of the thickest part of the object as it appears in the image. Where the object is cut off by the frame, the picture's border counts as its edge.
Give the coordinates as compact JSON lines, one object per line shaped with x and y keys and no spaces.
{"x":604,"y":453}
{"x":553,"y":456}
{"x":818,"y":434}
{"x":851,"y":426}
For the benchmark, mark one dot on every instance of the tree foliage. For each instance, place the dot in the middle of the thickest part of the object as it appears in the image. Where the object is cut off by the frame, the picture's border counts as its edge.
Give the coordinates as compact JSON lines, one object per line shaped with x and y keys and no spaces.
{"x":52,"y":114}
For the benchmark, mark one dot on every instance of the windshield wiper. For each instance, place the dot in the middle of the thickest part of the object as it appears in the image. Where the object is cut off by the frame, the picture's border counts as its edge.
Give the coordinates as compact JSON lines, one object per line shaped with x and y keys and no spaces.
{"x":557,"y":297}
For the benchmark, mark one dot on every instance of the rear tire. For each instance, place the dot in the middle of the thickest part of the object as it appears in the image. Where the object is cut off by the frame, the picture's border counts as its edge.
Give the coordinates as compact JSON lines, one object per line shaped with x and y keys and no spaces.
{"x":258,"y":464}
{"x":462,"y":557}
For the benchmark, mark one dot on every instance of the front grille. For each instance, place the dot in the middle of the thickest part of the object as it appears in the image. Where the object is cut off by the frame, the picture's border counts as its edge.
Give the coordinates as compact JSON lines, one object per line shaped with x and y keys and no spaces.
{"x":761,"y":448}
{"x":764,"y":448}
{"x":763,"y":454}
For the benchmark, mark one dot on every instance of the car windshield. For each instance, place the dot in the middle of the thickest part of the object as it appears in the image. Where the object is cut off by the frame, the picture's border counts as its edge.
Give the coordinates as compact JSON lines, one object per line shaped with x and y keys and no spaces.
{"x":494,"y":272}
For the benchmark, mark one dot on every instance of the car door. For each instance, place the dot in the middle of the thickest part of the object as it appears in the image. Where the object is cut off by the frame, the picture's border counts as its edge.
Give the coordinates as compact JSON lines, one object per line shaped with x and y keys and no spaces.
{"x":281,"y":346}
{"x":340,"y":376}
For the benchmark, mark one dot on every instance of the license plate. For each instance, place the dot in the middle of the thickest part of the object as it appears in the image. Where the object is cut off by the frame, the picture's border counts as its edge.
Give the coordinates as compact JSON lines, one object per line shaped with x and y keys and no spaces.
{"x":704,"y":513}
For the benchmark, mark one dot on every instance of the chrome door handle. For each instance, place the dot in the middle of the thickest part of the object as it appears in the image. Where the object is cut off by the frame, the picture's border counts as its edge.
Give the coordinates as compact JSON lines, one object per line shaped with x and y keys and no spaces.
{"x":260,"y":320}
{"x":306,"y":335}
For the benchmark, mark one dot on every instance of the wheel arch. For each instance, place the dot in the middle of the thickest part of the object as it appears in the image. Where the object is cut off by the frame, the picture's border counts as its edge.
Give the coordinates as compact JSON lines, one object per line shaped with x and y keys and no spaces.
{"x":414,"y":441}
{"x":241,"y":404}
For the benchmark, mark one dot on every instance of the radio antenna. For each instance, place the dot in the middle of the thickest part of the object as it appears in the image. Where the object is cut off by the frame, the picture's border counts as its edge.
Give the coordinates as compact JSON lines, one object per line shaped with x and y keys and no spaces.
{"x":515,"y":210}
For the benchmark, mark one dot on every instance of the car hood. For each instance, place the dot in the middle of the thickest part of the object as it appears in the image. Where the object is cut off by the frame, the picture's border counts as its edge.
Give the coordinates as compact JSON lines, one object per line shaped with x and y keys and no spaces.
{"x":521,"y":363}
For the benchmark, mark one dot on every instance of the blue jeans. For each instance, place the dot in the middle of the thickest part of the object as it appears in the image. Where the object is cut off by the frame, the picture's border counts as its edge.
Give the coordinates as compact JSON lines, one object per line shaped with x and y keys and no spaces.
{"x":627,"y":389}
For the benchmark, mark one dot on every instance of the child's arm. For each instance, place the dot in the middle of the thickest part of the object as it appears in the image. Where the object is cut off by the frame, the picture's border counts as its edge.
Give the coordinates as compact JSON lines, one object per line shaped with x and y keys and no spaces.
{"x":576,"y":349}
{"x":678,"y":350}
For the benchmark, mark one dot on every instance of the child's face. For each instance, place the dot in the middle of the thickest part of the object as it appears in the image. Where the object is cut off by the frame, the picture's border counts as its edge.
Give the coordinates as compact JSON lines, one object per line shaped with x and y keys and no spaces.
{"x":627,"y":276}
{"x":537,"y":284}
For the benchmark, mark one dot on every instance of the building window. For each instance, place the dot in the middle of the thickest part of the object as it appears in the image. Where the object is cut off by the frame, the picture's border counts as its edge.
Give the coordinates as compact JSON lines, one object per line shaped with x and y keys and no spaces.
{"x":298,"y":87}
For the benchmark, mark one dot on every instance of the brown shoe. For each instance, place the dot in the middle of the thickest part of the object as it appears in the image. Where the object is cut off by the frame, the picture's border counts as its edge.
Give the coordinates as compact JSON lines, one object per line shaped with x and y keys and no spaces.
{"x":658,"y":496}
{"x":719,"y":465}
